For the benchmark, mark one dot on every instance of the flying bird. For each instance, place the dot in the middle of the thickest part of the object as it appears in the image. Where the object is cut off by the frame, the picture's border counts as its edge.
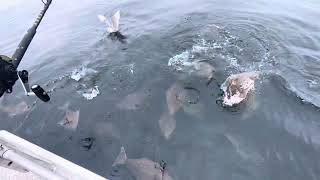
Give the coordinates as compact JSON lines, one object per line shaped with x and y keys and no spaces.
{"x":113,"y":26}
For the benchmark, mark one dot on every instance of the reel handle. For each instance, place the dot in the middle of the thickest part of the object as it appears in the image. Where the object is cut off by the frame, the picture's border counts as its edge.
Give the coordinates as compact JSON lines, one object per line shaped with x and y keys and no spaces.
{"x":40,"y":93}
{"x":35,"y":89}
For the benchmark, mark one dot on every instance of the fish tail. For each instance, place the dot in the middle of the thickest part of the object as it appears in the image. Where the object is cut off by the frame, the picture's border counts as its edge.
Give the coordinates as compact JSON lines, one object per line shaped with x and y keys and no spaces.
{"x":121,"y":158}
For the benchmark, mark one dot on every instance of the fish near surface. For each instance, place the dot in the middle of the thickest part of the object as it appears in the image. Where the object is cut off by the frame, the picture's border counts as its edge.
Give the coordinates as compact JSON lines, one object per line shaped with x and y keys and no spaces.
{"x":179,"y":97}
{"x":143,"y":168}
{"x":205,"y":70}
{"x":237,"y":87}
{"x":174,"y":96}
{"x":16,"y":110}
{"x":71,"y":119}
{"x":167,"y":125}
{"x":133,"y":101}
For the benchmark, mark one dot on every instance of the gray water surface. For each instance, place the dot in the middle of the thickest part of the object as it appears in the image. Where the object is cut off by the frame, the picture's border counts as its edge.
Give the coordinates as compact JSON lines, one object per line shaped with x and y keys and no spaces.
{"x":275,"y":136}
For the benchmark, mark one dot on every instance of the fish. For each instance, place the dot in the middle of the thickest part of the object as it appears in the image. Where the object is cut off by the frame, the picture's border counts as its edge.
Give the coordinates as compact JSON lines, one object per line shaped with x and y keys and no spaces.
{"x":113,"y":26}
{"x":167,"y":125}
{"x":71,"y":118}
{"x":106,"y":129}
{"x":133,"y":101}
{"x":16,"y":110}
{"x":205,"y":70}
{"x":173,"y":96}
{"x":179,"y":98}
{"x":237,"y":87}
{"x":143,"y":168}
{"x":195,"y":110}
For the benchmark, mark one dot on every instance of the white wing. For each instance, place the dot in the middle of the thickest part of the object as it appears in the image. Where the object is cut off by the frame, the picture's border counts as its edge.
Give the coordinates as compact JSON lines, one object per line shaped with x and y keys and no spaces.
{"x":115,"y":21}
{"x":102,"y":18}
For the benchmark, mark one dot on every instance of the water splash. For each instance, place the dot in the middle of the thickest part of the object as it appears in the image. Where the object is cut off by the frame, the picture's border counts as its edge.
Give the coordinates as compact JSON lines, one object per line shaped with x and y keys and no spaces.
{"x":81,"y":72}
{"x":91,"y":93}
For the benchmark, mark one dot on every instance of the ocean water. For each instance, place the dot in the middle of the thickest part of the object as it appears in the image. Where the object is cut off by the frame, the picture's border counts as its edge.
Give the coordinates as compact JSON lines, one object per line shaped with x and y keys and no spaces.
{"x":276,"y":135}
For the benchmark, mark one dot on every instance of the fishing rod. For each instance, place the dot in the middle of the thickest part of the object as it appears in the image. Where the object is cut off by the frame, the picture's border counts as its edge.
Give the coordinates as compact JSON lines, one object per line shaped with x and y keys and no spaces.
{"x":8,"y":66}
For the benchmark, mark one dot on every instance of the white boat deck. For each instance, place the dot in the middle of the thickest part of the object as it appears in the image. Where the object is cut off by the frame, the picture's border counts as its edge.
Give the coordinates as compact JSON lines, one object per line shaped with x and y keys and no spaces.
{"x":9,"y":174}
{"x":27,"y":156}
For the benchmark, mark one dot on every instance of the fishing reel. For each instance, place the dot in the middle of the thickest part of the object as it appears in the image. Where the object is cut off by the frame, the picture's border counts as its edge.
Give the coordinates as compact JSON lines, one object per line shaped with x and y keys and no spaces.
{"x":8,"y":66}
{"x":9,"y":75}
{"x":35,"y":89}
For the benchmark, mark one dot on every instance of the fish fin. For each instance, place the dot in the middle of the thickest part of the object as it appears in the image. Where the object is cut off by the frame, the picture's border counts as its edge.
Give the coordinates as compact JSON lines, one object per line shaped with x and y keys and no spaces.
{"x":115,"y":21}
{"x":121,"y":158}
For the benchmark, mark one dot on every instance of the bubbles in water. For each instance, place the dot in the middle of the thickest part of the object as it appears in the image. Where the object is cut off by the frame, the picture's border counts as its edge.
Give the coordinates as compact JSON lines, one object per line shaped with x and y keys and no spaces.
{"x":81,"y":72}
{"x":91,"y":93}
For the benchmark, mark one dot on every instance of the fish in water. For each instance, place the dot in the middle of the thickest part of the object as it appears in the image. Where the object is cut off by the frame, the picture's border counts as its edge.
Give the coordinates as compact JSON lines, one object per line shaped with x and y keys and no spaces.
{"x":167,"y":124}
{"x":173,"y":94}
{"x":204,"y":69}
{"x":16,"y":110}
{"x":178,"y":97}
{"x":237,"y":87}
{"x":71,"y":118}
{"x":113,"y":26}
{"x":133,"y":101}
{"x":143,"y":168}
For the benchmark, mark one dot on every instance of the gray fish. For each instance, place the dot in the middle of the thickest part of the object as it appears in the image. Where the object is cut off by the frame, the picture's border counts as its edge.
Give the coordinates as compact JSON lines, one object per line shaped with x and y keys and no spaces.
{"x":167,"y":124}
{"x":71,"y":119}
{"x":106,"y":129}
{"x":204,"y":69}
{"x":179,"y":97}
{"x":143,"y":168}
{"x":195,"y":110}
{"x":16,"y":110}
{"x":133,"y":101}
{"x":174,"y":96}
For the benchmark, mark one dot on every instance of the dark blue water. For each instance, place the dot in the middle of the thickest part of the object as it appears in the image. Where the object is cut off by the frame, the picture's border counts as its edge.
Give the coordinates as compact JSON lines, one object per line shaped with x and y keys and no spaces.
{"x":275,"y":136}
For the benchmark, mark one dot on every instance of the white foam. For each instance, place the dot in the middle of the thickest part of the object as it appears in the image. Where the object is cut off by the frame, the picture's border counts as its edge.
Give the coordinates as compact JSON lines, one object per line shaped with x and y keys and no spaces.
{"x":179,"y":60}
{"x":131,"y":68}
{"x":185,"y":59}
{"x":81,"y":72}
{"x":91,"y":93}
